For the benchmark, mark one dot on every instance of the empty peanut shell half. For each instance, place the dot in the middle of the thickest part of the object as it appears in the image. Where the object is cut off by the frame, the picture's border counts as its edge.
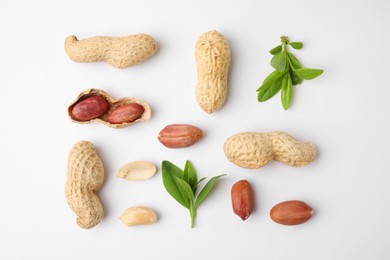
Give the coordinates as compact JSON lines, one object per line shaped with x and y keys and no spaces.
{"x":96,"y":105}
{"x":135,"y":216}
{"x":138,"y":170}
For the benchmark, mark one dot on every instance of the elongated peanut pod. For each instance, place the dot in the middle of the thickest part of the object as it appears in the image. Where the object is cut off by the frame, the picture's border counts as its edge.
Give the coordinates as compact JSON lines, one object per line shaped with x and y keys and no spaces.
{"x":212,"y":56}
{"x":254,"y":150}
{"x":84,"y":179}
{"x":120,"y":52}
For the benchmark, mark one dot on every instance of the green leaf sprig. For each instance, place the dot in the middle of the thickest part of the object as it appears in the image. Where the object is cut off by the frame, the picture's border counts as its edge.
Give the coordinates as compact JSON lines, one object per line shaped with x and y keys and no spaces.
{"x":182,"y":186}
{"x":288,"y":73}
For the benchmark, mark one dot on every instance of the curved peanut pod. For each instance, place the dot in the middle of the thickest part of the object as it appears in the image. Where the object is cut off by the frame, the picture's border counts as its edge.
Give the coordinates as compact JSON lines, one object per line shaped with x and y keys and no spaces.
{"x":120,"y":52}
{"x":254,"y":150}
{"x":212,"y":56}
{"x":84,"y":179}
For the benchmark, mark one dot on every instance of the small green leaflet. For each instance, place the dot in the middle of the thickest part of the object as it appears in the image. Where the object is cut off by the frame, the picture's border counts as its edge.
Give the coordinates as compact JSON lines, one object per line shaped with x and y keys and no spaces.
{"x":184,"y":189}
{"x":169,"y":172}
{"x":308,"y":73}
{"x":271,"y":78}
{"x":182,"y":186}
{"x":191,"y":177}
{"x":296,"y":45}
{"x":287,"y":74}
{"x":206,"y":189}
{"x":276,"y":50}
{"x":296,"y":80}
{"x":294,"y":62}
{"x":266,"y":91}
{"x":286,"y":91}
{"x":279,"y":61}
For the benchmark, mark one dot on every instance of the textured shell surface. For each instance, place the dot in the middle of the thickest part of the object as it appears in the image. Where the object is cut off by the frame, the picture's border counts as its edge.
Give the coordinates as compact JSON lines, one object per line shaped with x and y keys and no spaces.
{"x":84,"y":178}
{"x":290,"y":151}
{"x":120,"y":52}
{"x":248,"y":149}
{"x":255,"y":149}
{"x":212,"y":56}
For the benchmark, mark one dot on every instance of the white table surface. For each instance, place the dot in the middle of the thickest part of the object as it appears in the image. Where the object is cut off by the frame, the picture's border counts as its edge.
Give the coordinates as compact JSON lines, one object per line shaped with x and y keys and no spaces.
{"x":345,"y":112}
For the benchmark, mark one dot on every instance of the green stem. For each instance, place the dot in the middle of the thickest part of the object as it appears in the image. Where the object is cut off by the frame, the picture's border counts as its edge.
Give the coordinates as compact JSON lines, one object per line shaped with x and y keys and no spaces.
{"x":285,"y":41}
{"x":192,"y":213}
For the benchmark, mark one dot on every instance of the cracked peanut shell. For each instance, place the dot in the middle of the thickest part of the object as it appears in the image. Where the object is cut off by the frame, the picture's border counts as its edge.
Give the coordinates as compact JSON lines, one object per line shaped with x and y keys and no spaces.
{"x":114,"y":104}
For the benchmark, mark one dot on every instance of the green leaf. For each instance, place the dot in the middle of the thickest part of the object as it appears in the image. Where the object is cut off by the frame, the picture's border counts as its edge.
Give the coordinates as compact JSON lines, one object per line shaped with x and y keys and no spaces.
{"x":279,"y":61}
{"x":185,"y":174}
{"x":295,"y":78}
{"x":270,"y":78}
{"x":276,"y":50}
{"x":202,"y":179}
{"x":296,"y":45}
{"x":270,"y":90}
{"x":307,"y":73}
{"x":294,"y":62}
{"x":192,"y":178}
{"x":173,"y":169}
{"x":206,"y":189}
{"x":185,"y":189}
{"x":286,"y":92}
{"x":169,"y":173}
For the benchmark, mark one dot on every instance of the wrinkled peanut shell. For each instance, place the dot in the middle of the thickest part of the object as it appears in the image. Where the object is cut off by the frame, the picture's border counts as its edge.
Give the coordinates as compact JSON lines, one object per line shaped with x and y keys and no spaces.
{"x":84,"y":179}
{"x":120,"y":52}
{"x":212,"y":56}
{"x":254,"y":150}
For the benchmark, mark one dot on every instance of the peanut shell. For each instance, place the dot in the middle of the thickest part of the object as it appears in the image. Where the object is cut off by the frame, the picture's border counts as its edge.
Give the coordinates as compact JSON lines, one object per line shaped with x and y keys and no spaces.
{"x":254,"y":150}
{"x":212,"y":57}
{"x":120,"y":52}
{"x":85,"y":177}
{"x":113,"y":103}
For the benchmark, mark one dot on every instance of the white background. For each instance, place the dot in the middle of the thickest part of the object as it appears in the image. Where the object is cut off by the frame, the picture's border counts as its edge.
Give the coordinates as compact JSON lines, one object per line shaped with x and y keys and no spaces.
{"x":345,"y":112}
